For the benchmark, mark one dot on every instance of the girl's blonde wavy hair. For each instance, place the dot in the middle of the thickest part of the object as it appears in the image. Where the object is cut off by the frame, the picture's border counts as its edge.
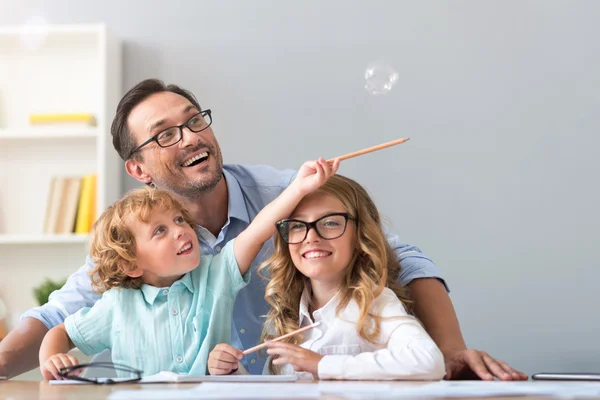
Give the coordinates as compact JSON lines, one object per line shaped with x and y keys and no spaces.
{"x":113,"y":243}
{"x":372,"y":267}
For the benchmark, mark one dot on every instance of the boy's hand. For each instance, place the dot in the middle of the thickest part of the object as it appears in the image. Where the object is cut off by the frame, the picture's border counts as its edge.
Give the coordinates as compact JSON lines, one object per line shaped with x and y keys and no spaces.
{"x":301,"y":359}
{"x":51,"y":366}
{"x":313,"y":174}
{"x":224,"y":359}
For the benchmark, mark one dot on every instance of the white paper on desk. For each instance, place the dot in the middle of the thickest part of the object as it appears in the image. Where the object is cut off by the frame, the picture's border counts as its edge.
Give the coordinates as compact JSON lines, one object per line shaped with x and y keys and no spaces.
{"x":557,"y":389}
{"x":172,"y":377}
{"x":528,"y":388}
{"x":167,"y":377}
{"x":357,"y":388}
{"x":463,"y":389}
{"x":226,"y":390}
{"x":147,"y":393}
{"x":257,"y":391}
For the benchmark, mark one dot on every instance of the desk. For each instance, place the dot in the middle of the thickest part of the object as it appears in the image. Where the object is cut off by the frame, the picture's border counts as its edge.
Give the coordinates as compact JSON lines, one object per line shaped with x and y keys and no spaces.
{"x":20,"y":390}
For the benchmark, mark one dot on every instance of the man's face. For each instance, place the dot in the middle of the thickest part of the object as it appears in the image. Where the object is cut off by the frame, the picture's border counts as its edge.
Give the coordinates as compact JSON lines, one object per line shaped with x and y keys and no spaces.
{"x":169,"y":167}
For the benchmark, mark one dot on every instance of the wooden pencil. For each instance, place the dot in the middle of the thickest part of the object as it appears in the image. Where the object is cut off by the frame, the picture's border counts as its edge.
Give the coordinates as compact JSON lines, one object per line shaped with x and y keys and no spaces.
{"x":287,"y":335}
{"x":370,"y":149}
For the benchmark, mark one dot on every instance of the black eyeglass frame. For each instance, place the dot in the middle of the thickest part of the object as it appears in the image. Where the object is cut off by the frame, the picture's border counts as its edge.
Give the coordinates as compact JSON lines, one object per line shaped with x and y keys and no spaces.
{"x":64,"y":372}
{"x":313,"y":225}
{"x":154,"y":138}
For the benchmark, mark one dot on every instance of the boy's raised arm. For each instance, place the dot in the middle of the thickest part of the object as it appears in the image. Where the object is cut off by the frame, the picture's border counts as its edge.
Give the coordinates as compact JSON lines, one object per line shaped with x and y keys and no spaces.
{"x":311,"y":176}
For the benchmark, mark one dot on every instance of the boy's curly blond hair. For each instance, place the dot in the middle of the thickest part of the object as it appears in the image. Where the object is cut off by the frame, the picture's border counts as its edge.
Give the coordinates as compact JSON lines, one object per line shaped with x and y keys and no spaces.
{"x":112,"y":242}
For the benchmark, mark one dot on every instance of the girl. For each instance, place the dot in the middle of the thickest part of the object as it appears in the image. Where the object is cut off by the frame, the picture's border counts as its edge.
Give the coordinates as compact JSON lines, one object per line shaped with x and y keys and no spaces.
{"x":331,"y":264}
{"x":164,"y":307}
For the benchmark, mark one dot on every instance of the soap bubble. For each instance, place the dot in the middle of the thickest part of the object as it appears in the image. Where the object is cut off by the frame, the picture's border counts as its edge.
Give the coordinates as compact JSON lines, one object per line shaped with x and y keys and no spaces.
{"x":34,"y":33}
{"x":380,"y":77}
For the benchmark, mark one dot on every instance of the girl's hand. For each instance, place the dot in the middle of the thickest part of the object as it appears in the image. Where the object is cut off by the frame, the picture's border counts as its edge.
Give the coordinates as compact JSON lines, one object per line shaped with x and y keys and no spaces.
{"x":313,"y":174}
{"x":51,"y":366}
{"x":301,"y":359}
{"x":224,"y":359}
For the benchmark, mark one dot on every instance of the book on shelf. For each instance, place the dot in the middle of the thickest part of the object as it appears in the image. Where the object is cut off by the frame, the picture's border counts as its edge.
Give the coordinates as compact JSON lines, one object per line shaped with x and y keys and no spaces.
{"x":2,"y":317}
{"x":86,"y":211}
{"x":71,"y":205}
{"x":68,"y":208}
{"x":68,"y":118}
{"x":55,"y":194}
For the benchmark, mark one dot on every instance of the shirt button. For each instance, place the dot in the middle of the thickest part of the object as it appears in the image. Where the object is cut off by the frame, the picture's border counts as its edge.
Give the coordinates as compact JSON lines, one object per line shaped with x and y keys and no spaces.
{"x":166,"y":292}
{"x":243,"y":330}
{"x":218,"y":248}
{"x":179,"y":359}
{"x":174,"y":311}
{"x":253,"y":361}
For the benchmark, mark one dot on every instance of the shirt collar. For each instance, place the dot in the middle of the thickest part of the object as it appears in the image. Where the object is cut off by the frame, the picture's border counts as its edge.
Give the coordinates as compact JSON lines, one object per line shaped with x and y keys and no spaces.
{"x":303,"y":314}
{"x":237,"y":205}
{"x":324,"y":314}
{"x":150,"y":292}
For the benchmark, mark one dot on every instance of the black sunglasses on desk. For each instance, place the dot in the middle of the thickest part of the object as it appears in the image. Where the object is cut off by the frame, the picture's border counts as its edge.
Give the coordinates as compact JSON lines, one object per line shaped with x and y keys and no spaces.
{"x":72,"y":373}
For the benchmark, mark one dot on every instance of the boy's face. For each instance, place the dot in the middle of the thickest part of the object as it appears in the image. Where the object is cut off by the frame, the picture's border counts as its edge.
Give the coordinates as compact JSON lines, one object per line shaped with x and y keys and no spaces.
{"x":166,"y":247}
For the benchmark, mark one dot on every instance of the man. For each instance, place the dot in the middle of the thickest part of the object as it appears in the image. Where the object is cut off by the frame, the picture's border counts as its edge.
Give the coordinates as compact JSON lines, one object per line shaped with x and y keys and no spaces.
{"x":157,"y":132}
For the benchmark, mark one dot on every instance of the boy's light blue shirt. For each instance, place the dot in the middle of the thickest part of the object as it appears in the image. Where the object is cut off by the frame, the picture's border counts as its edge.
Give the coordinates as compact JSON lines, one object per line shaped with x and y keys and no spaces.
{"x":164,"y":329}
{"x":251,"y":187}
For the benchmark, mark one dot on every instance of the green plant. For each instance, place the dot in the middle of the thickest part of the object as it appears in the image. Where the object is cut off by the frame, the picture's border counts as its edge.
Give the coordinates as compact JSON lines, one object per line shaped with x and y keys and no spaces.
{"x":42,"y":292}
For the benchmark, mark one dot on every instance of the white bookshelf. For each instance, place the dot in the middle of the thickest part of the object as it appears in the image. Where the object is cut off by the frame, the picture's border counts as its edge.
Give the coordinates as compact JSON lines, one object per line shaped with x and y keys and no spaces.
{"x":71,"y":69}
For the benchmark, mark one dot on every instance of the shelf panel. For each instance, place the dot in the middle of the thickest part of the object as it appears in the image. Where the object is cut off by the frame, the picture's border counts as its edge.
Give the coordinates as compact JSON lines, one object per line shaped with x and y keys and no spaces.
{"x":48,"y":133}
{"x":50,"y":29}
{"x":42,"y":239}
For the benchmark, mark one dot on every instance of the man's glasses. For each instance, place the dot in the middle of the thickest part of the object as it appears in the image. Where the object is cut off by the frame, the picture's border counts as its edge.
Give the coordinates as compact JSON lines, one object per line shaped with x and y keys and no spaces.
{"x":173,"y":135}
{"x":126,"y":373}
{"x":328,"y":227}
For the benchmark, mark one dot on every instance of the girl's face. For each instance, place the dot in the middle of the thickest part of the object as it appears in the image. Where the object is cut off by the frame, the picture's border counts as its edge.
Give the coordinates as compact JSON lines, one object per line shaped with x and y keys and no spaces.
{"x":166,"y":247}
{"x":316,"y":258}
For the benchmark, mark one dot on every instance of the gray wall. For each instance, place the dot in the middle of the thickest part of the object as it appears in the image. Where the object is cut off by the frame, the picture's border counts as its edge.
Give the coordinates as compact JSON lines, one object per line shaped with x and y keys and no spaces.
{"x":500,"y":98}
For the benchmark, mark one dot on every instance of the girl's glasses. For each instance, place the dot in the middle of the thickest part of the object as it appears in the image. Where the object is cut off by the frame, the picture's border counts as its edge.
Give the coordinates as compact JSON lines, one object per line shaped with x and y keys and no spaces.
{"x":328,"y":227}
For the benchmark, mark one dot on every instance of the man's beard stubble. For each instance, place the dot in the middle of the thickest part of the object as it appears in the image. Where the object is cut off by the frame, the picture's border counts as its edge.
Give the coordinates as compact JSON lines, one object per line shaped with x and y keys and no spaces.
{"x":199,"y":188}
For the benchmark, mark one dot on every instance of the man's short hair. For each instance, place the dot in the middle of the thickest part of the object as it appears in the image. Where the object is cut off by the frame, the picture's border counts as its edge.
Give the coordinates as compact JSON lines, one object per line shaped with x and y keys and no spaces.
{"x":123,"y":140}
